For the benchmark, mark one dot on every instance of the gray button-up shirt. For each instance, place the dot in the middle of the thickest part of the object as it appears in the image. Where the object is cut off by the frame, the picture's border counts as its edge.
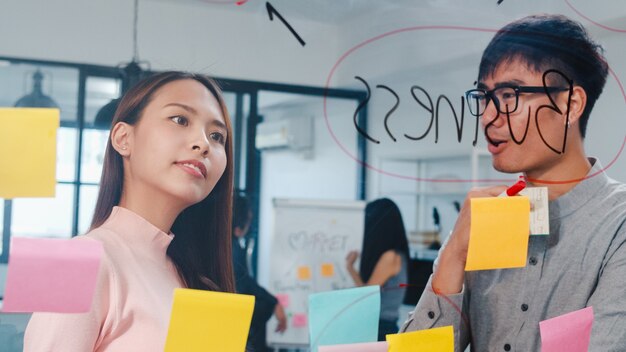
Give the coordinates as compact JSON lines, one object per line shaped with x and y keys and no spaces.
{"x":581,"y":263}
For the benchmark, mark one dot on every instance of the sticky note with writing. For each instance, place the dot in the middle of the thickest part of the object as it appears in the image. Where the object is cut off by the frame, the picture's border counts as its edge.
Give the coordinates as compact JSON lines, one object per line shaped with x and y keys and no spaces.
{"x":52,"y":275}
{"x":539,"y":211}
{"x":569,"y":332}
{"x":344,"y":316}
{"x":209,"y":321}
{"x":381,"y":346}
{"x":28,"y":152}
{"x":498,"y":233}
{"x":435,"y":340}
{"x":328,"y":270}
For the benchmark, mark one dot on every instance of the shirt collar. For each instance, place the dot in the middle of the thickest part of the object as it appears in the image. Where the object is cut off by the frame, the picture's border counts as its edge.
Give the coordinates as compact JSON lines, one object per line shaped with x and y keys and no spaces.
{"x":584,"y":191}
{"x":137,"y":230}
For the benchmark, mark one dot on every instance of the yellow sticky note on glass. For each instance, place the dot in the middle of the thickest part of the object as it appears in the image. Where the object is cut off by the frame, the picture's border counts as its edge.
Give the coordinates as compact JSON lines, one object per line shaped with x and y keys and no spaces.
{"x":328,"y":270}
{"x":209,"y":321}
{"x":28,"y":152}
{"x":499,"y":233}
{"x":431,"y":340}
{"x":304,"y":273}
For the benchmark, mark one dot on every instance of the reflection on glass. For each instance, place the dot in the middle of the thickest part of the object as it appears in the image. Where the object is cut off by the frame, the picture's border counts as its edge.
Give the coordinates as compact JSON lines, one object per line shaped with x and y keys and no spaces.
{"x":99,"y":92}
{"x":66,"y":154}
{"x":44,"y":217}
{"x":88,"y":197}
{"x":94,"y":145}
{"x":60,"y":83}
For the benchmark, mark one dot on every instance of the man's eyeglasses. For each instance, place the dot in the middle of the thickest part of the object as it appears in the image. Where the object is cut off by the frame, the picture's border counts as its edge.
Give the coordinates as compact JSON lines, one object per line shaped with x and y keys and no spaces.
{"x":505,"y":98}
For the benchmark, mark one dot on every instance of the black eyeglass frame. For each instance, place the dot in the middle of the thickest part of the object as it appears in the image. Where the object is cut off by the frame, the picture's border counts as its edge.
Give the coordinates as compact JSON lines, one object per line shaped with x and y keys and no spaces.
{"x":489,"y":94}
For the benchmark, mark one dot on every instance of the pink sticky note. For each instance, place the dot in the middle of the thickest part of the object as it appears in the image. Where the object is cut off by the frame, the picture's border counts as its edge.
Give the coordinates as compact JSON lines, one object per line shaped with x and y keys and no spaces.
{"x":299,"y":320}
{"x":283,"y":299}
{"x":51,"y":275}
{"x":356,"y":347}
{"x":569,"y":332}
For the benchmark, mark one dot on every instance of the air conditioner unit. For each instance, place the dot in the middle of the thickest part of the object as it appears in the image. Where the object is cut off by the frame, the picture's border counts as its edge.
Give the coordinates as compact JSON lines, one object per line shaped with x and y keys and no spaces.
{"x":295,"y":133}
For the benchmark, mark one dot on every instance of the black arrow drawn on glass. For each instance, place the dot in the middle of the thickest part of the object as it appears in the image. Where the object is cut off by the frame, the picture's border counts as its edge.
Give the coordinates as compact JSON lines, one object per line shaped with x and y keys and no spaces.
{"x":271,"y":11}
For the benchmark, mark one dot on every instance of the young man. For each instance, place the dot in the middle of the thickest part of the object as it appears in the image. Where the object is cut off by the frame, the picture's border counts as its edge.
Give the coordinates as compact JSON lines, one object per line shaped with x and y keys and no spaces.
{"x":538,"y":80}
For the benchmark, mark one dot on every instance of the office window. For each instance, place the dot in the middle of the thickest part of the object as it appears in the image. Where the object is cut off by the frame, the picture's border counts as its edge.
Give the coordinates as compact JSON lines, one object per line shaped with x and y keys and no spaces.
{"x":79,"y":91}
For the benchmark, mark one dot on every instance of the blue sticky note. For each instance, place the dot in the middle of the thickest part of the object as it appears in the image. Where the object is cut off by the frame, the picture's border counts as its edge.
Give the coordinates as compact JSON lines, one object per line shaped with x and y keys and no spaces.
{"x":344,"y":316}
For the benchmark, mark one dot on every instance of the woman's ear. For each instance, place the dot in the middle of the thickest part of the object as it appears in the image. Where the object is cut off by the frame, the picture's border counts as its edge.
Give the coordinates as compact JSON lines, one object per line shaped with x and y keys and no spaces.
{"x":121,"y":138}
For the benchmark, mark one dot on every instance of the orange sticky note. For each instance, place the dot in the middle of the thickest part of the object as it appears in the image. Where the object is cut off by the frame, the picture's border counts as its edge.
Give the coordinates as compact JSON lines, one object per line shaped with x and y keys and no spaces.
{"x":208,"y":321}
{"x":498,"y":233}
{"x":304,"y":273}
{"x":431,"y":340}
{"x":328,"y":270}
{"x":28,"y":152}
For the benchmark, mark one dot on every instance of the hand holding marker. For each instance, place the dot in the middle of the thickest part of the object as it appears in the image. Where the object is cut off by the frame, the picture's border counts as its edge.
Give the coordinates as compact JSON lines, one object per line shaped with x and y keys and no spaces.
{"x":515,"y":189}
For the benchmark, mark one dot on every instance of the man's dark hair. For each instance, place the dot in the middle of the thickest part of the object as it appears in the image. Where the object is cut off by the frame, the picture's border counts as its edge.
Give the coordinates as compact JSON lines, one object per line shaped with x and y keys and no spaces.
{"x":546,"y":42}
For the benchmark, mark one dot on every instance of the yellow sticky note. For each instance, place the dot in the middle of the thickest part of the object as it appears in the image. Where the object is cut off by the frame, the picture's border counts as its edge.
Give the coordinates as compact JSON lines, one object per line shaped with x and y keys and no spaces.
{"x":28,"y":152}
{"x":499,"y":233}
{"x":328,"y":270}
{"x":431,"y":340}
{"x":209,"y":321}
{"x":304,"y":273}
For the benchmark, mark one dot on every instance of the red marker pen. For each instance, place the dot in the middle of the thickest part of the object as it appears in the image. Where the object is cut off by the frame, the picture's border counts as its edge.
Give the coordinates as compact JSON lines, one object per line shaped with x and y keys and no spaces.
{"x":517,"y":187}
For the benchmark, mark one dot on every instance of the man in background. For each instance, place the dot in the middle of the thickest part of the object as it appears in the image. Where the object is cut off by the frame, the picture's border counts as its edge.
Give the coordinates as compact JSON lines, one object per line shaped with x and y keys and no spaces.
{"x":265,"y":304}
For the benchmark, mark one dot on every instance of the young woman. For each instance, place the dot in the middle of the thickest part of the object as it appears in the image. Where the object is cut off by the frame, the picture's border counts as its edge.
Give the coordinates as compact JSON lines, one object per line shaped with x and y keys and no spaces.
{"x":384,"y":260}
{"x":163,"y":217}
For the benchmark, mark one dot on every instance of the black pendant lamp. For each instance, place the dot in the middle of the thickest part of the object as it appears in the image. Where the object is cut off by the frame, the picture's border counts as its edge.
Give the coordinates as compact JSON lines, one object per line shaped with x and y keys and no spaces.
{"x":36,"y":98}
{"x":130,"y":74}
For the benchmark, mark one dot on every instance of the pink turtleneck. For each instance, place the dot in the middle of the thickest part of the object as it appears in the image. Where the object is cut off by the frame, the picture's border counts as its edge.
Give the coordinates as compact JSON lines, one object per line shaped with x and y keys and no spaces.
{"x":133,"y":299}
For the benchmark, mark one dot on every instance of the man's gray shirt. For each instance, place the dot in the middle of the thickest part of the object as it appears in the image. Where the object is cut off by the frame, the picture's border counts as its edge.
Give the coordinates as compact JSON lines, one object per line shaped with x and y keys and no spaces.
{"x":581,"y":263}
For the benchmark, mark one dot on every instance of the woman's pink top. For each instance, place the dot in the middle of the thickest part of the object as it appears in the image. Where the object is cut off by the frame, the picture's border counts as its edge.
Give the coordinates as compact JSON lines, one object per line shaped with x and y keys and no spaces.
{"x":133,"y":299}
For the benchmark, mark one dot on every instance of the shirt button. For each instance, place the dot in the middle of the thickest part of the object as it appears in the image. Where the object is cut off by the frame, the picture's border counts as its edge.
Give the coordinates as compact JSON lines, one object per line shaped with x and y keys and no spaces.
{"x":533,"y":261}
{"x":431,"y":315}
{"x":507,"y":347}
{"x":524,"y":307}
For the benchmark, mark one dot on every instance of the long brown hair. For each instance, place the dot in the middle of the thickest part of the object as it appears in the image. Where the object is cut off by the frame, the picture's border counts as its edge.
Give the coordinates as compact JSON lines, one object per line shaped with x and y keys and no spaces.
{"x":201,"y":250}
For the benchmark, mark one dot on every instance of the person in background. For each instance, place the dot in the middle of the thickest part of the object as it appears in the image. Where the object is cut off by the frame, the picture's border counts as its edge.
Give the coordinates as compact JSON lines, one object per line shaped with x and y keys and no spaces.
{"x":384,"y":260}
{"x":168,"y":169}
{"x":265,"y":304}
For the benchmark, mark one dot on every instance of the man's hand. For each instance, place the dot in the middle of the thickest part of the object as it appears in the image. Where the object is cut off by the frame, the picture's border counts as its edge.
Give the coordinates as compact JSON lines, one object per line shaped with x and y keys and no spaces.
{"x":450,"y":272}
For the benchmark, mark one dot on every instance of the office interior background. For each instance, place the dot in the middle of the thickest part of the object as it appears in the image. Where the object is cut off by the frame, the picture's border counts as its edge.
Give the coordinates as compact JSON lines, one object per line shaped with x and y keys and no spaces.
{"x":80,"y":51}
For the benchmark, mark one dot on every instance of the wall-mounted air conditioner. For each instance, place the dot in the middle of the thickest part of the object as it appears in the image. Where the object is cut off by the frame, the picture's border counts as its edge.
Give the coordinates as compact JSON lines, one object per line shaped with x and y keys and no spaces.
{"x":295,"y":133}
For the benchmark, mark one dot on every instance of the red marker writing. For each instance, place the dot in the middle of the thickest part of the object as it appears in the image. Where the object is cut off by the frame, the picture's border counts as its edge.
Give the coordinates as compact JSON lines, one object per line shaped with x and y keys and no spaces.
{"x":517,"y":187}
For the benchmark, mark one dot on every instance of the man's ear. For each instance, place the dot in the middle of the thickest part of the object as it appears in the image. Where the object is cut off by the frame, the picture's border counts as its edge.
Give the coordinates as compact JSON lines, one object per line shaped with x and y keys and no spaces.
{"x":578,"y":102}
{"x":121,"y":138}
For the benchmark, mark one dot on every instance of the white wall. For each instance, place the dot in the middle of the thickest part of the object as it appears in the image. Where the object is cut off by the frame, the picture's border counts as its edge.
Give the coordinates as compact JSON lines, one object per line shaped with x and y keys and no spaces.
{"x":187,"y":35}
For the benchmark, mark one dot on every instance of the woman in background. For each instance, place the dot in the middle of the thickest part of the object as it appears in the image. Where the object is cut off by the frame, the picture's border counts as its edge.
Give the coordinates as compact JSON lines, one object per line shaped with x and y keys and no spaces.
{"x":384,"y":260}
{"x":167,"y":170}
